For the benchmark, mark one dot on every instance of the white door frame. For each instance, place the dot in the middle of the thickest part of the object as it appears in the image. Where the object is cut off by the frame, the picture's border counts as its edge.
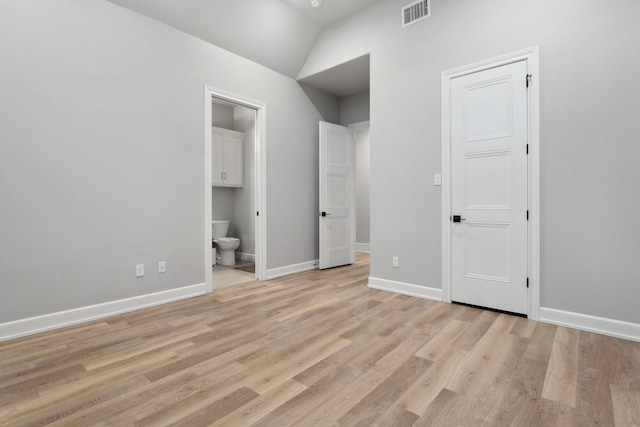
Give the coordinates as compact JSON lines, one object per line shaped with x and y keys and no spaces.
{"x":531,"y":56}
{"x":260,"y":179}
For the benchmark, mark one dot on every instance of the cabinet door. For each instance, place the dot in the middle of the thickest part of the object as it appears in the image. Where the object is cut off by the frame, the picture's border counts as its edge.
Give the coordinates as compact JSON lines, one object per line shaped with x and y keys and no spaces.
{"x":217,"y":157}
{"x":233,"y":167}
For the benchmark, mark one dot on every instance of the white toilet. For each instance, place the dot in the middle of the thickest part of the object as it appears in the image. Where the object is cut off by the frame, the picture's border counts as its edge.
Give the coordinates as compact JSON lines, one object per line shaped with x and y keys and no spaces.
{"x":226,"y":246}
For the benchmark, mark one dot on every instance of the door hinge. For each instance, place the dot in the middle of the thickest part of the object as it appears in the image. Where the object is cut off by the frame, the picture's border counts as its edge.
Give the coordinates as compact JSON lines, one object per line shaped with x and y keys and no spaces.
{"x":527,"y":215}
{"x":527,"y":282}
{"x":528,"y":79}
{"x":257,"y":213}
{"x":527,"y":148}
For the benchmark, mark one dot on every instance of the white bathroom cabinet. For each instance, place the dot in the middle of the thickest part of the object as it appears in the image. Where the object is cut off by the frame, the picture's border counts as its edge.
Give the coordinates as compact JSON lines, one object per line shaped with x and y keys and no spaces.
{"x":226,"y":170}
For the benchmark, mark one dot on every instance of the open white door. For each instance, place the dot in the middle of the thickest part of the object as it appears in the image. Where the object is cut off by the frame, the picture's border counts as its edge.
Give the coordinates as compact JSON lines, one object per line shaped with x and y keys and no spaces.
{"x":337,"y":191}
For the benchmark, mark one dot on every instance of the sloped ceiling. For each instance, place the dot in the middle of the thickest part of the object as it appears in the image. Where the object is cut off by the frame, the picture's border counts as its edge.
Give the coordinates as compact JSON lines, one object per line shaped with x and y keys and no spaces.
{"x":278,"y":34}
{"x":346,"y":79}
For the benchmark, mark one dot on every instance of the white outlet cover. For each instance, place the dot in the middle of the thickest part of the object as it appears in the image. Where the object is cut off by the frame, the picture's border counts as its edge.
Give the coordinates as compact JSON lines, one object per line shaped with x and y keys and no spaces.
{"x":162,"y":267}
{"x":139,"y":270}
{"x":437,"y":179}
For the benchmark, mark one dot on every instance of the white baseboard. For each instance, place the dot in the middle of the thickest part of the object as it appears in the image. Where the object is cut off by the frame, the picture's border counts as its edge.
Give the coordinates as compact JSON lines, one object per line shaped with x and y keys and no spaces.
{"x":586,"y":322}
{"x":246,"y":257}
{"x":61,"y":319}
{"x":425,"y":292}
{"x":363,"y":247}
{"x":291,"y":269}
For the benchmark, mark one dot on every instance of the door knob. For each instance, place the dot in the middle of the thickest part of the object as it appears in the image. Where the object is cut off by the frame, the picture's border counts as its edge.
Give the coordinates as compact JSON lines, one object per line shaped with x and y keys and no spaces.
{"x":458,"y":218}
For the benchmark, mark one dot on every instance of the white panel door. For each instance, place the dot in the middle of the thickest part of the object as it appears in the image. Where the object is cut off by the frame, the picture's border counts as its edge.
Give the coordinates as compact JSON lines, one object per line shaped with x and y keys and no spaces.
{"x":337,"y":191}
{"x":489,"y":188}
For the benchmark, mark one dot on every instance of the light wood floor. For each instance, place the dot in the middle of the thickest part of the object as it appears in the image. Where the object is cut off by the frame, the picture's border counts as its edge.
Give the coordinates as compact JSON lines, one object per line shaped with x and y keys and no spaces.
{"x":318,"y":349}
{"x":230,"y":277}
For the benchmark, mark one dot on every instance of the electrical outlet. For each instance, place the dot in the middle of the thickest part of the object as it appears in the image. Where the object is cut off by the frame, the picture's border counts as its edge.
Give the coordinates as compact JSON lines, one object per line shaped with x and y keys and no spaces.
{"x":437,"y":179}
{"x":396,"y":262}
{"x":139,"y":270}
{"x":162,"y":267}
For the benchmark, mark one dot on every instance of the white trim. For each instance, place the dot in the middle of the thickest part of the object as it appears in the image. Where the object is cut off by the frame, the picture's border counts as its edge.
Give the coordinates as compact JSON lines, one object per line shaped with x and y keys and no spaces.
{"x":363,"y":247}
{"x":209,"y":259}
{"x":533,"y":68}
{"x":246,"y":257}
{"x":260,"y":197}
{"x":425,"y":292}
{"x":531,"y":56}
{"x":586,"y":322}
{"x":291,"y":269}
{"x":498,"y":61}
{"x":261,"y":193}
{"x":61,"y":319}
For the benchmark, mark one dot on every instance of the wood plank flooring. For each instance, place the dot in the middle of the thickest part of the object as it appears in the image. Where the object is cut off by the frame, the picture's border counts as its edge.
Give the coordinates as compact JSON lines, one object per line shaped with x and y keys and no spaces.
{"x":231,"y":277}
{"x":318,"y":349}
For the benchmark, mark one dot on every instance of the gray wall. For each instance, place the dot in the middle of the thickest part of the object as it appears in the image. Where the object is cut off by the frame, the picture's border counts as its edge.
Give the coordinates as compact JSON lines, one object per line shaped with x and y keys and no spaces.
{"x":354,"y":109}
{"x":102,"y":155}
{"x":222,"y":116}
{"x":362,"y":185}
{"x":223,"y":206}
{"x":589,"y":135}
{"x":244,"y":202}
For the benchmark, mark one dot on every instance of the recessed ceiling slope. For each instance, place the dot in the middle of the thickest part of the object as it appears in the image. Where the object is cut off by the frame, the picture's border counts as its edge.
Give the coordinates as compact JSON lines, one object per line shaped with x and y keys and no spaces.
{"x":346,"y":79}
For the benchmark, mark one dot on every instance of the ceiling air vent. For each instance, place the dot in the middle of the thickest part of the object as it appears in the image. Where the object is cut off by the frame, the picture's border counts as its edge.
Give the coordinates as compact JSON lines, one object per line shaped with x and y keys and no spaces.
{"x":415,"y":11}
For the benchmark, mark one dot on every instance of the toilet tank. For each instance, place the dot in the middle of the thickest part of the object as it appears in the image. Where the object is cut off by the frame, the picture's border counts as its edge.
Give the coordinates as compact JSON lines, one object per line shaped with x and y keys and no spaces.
{"x":219,"y":228}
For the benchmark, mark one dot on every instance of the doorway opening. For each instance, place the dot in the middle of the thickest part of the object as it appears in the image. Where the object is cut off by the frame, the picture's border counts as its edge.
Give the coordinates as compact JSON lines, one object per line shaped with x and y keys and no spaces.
{"x":344,"y":193}
{"x":235,"y":189}
{"x":362,"y":140}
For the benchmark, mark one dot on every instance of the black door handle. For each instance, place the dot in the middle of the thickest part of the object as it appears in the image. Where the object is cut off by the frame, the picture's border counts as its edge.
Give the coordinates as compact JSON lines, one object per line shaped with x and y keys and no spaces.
{"x":323,"y":213}
{"x":457,"y":218}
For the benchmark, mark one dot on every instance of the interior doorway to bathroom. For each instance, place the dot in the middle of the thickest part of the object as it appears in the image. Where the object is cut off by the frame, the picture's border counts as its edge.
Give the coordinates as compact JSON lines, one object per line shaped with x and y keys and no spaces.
{"x":235,"y":231}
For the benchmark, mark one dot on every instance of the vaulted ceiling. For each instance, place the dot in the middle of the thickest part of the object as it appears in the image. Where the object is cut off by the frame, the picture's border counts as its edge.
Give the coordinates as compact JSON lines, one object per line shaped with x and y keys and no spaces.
{"x":278,"y":34}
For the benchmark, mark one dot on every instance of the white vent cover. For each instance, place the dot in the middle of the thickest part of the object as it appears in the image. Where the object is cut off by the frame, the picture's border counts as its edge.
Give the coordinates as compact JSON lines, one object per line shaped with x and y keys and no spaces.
{"x":415,"y":11}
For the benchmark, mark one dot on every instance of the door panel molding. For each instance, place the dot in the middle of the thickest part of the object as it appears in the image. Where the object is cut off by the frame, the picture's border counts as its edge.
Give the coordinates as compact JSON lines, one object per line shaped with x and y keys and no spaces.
{"x":531,"y":56}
